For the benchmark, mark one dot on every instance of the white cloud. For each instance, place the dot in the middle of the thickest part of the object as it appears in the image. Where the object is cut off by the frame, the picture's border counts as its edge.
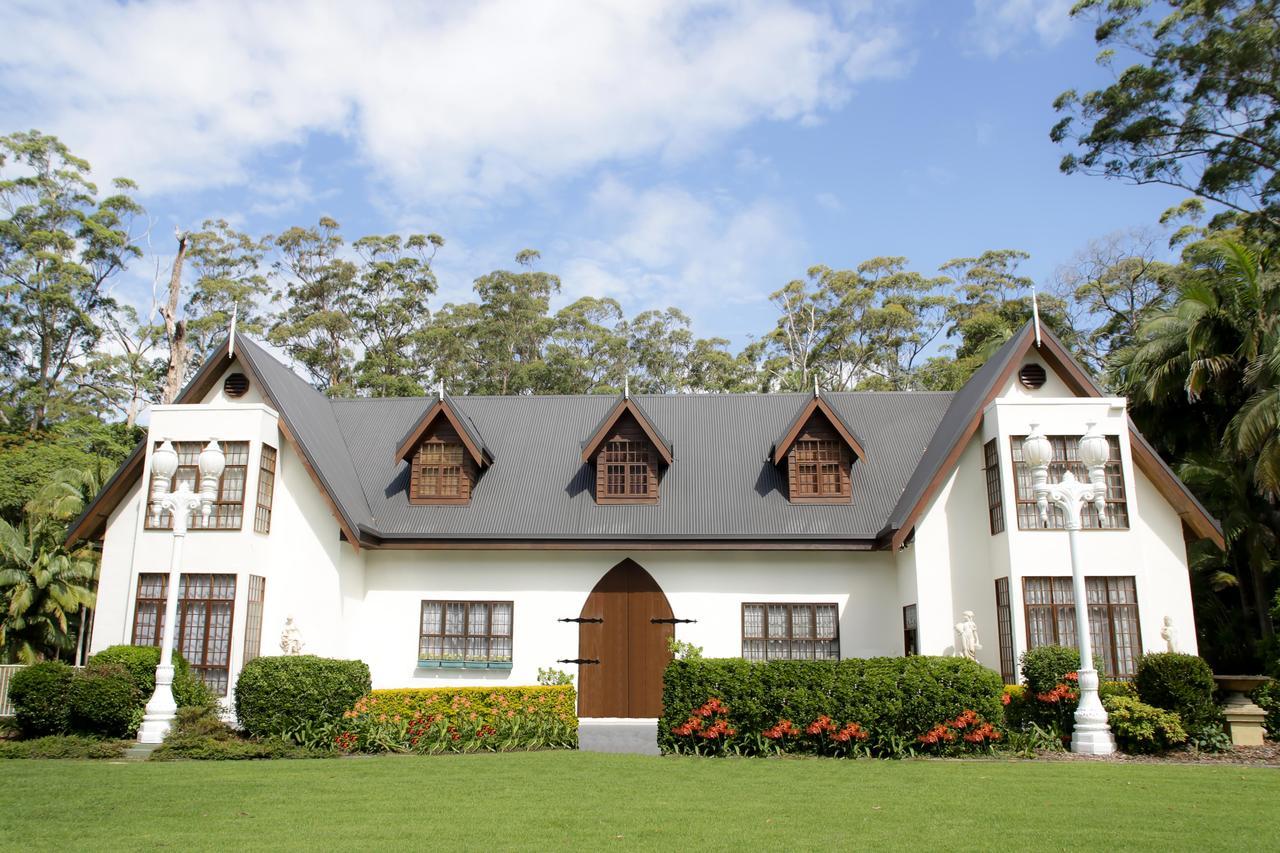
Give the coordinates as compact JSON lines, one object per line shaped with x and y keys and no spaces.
{"x":449,"y":101}
{"x":665,"y":246}
{"x":829,"y":201}
{"x":999,"y":26}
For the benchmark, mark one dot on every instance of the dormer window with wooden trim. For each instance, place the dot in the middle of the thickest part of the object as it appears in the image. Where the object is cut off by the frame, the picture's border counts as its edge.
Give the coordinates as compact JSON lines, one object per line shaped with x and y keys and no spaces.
{"x":446,"y":455}
{"x":627,"y":451}
{"x":440,"y":470}
{"x":818,"y":451}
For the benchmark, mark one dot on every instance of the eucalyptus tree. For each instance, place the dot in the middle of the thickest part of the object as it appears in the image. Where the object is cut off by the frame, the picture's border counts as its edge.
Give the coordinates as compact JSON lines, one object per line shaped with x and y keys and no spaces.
{"x":60,"y":244}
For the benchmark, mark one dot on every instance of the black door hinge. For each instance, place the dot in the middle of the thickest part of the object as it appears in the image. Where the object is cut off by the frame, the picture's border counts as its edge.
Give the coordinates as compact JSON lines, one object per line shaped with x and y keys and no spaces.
{"x":657,"y":621}
{"x":581,"y":619}
{"x":579,"y":660}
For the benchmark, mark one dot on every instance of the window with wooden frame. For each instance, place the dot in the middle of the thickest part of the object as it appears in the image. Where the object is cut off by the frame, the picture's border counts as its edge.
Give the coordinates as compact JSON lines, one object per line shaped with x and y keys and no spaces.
{"x":206,"y":610}
{"x":266,"y":490}
{"x":772,"y":631}
{"x":441,"y":471}
{"x":1004,"y":625}
{"x":1114,"y":630}
{"x":995,"y":492}
{"x":910,"y":631}
{"x":627,"y":466}
{"x":818,"y":465}
{"x":228,"y":509}
{"x":465,"y":634}
{"x":1066,"y":457}
{"x":253,"y":617}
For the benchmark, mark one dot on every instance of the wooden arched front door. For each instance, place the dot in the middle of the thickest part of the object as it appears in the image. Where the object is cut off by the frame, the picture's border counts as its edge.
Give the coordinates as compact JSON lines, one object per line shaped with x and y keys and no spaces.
{"x":630,"y":641}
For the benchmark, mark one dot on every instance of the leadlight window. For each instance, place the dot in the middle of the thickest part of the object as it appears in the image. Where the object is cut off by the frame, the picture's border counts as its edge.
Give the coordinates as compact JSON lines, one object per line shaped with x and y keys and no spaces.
{"x":228,"y":509}
{"x":253,"y":617}
{"x":206,"y":606}
{"x":790,"y":632}
{"x":910,"y":631}
{"x":266,"y":490}
{"x":439,"y":471}
{"x":817,"y":468}
{"x":1114,"y":630}
{"x":995,"y":492}
{"x":473,"y":634}
{"x":1004,"y":620}
{"x":1066,"y":457}
{"x":626,"y":466}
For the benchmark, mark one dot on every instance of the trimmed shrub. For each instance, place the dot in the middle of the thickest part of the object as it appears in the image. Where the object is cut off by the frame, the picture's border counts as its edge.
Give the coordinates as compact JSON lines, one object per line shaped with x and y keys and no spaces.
{"x":807,"y":706}
{"x":1045,"y":667}
{"x":105,"y":701}
{"x":63,"y":746}
{"x":141,"y":661}
{"x":1123,"y":689}
{"x":460,"y":719}
{"x":41,"y":695}
{"x":1141,"y":728}
{"x":282,"y":695}
{"x":1180,"y":683}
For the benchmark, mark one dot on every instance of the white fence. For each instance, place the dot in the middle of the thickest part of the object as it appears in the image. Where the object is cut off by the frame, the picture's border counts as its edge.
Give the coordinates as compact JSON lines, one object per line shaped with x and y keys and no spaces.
{"x":6,"y":673}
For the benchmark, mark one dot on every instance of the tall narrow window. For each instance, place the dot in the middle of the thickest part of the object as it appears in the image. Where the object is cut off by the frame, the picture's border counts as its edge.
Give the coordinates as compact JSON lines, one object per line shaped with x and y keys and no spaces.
{"x":228,"y":508}
{"x":471,"y":634}
{"x":910,"y":631}
{"x":1066,"y":457}
{"x":206,"y":604}
{"x":266,"y":490}
{"x":790,"y":632}
{"x":1113,"y":619}
{"x":995,"y":492}
{"x":253,"y":617}
{"x":1004,"y":620}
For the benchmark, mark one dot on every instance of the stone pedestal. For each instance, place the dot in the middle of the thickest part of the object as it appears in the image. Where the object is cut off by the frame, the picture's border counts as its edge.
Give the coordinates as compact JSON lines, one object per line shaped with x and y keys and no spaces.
{"x":1246,"y":722}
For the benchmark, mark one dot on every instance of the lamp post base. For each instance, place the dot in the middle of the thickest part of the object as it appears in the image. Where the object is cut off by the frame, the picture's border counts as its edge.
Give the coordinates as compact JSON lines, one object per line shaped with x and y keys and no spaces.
{"x":154,"y":727}
{"x":1092,"y":740}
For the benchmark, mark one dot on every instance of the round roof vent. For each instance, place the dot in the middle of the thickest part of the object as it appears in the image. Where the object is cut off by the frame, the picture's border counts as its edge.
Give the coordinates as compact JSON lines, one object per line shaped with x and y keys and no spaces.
{"x":237,"y":384}
{"x":1031,"y":375}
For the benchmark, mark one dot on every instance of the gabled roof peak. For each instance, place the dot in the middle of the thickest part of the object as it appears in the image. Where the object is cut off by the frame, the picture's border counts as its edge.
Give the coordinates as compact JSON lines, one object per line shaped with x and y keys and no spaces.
{"x":816,"y":405}
{"x":624,"y":405}
{"x":443,"y":406}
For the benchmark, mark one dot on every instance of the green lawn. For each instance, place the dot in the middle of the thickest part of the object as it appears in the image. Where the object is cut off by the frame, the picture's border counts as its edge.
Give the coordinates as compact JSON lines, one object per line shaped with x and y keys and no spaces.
{"x":568,"y":799}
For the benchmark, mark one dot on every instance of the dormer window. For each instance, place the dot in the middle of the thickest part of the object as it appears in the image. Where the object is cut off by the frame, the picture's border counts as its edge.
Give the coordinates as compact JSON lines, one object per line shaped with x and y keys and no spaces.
{"x":626,"y":450}
{"x":445,"y":454}
{"x":818,"y":451}
{"x":439,"y":470}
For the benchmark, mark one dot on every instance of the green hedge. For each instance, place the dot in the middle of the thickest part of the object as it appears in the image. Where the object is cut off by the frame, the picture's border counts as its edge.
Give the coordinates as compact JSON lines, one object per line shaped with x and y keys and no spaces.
{"x":106,"y":701}
{"x":1179,"y":683}
{"x":41,"y":697}
{"x":63,"y":746}
{"x":1045,"y":667}
{"x":1141,"y":728}
{"x":893,"y":701}
{"x":285,"y":695}
{"x":141,"y":662}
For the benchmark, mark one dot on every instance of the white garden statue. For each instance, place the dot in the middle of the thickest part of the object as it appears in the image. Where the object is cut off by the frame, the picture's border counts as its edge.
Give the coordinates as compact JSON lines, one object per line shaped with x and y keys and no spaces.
{"x":968,"y":631}
{"x":1169,"y":634}
{"x":291,"y":638}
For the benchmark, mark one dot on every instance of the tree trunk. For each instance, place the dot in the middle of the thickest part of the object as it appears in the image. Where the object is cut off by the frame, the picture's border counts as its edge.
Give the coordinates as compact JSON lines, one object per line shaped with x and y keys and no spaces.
{"x":175,"y":329}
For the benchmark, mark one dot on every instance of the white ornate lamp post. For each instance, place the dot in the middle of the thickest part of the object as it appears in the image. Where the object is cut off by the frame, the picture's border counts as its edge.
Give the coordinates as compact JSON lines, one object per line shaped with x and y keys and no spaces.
{"x":1092,"y":735}
{"x":180,"y":503}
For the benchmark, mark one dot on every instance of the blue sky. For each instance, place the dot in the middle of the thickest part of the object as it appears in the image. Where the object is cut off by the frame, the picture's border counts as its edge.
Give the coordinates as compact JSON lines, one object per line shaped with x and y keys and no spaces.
{"x":664,"y":154}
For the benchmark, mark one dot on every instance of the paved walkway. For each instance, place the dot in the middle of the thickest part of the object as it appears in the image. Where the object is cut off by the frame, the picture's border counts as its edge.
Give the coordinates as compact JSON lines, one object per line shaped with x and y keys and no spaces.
{"x":618,"y":734}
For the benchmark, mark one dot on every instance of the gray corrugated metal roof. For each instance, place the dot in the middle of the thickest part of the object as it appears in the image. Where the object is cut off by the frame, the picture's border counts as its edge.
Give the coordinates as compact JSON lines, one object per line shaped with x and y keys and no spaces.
{"x":721,"y":484}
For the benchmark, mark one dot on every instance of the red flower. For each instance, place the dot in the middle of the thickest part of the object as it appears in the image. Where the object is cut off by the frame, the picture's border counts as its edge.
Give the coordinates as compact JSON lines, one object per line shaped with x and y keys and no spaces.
{"x":851,"y":731}
{"x":820,"y":725}
{"x":1072,"y":676}
{"x":783,"y":728}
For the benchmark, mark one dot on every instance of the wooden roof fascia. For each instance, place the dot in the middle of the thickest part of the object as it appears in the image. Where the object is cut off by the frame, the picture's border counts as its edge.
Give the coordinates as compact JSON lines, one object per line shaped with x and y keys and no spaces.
{"x":441,"y":407}
{"x":623,"y":406}
{"x":816,"y":404}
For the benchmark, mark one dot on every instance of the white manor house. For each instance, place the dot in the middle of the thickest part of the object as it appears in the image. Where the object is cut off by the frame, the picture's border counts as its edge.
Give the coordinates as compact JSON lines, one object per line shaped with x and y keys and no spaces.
{"x":473,"y":540}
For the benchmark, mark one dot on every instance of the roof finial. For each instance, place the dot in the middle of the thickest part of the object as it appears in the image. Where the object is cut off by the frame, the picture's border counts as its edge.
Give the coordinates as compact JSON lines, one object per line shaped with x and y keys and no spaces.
{"x":817,"y":392}
{"x":626,"y":386}
{"x":1035,"y":314}
{"x":441,"y":389}
{"x":231,"y":337}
